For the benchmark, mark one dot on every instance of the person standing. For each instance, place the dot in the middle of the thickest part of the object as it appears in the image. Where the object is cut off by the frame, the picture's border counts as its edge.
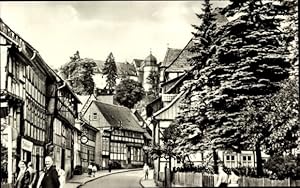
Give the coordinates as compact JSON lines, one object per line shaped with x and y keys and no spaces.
{"x":222,"y":178}
{"x":146,"y":170}
{"x":94,"y":170}
{"x":49,"y":178}
{"x":32,"y":174}
{"x":109,"y":165}
{"x":90,"y":169}
{"x":23,"y":178}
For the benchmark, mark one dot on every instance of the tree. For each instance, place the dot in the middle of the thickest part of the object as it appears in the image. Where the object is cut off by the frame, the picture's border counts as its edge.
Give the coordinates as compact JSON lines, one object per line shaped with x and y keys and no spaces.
{"x":291,"y":28}
{"x":110,"y":71}
{"x":283,"y":167}
{"x":153,"y":79}
{"x":250,"y":63}
{"x":169,"y":137}
{"x":129,"y":92}
{"x":246,"y":60}
{"x":192,"y":118}
{"x":273,"y":122}
{"x":78,"y":72}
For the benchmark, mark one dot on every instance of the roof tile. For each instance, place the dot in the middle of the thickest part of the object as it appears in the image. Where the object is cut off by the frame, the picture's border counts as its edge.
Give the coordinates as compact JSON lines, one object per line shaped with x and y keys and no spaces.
{"x":118,"y":116}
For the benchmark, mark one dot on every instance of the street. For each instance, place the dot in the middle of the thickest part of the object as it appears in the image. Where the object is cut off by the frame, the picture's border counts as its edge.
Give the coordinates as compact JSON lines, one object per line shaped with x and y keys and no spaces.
{"x":121,"y":180}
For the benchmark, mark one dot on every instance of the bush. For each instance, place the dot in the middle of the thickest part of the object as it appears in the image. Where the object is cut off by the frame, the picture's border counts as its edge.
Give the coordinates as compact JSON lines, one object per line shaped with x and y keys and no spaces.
{"x":281,"y":167}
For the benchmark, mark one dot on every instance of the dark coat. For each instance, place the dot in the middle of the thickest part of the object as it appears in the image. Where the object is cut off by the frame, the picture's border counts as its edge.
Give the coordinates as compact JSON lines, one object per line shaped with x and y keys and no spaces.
{"x":24,"y":181}
{"x":50,"y":179}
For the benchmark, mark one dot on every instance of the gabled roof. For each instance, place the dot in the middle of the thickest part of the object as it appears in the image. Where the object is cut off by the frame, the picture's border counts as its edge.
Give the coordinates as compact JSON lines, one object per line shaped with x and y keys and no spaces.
{"x":122,"y":68}
{"x":118,"y":116}
{"x":177,"y":83}
{"x":33,"y":55}
{"x":170,"y":56}
{"x":180,"y":58}
{"x":137,"y":62}
{"x":147,"y":135}
{"x":172,"y":81}
{"x":84,"y":100}
{"x":85,"y":123}
{"x":171,"y":103}
{"x":180,"y":63}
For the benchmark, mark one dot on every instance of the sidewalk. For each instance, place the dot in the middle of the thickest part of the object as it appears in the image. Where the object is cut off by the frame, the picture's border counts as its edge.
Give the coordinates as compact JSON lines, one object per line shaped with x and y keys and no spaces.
{"x":79,"y":180}
{"x":149,"y":183}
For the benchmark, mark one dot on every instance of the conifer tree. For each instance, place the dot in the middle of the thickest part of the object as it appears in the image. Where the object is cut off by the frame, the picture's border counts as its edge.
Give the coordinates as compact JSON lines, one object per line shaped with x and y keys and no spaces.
{"x":247,"y":60}
{"x":110,"y":71}
{"x":191,"y":119}
{"x":250,"y":63}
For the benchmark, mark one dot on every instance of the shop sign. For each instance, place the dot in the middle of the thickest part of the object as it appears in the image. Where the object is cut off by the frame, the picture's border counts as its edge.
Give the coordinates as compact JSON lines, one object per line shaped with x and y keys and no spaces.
{"x":26,"y":145}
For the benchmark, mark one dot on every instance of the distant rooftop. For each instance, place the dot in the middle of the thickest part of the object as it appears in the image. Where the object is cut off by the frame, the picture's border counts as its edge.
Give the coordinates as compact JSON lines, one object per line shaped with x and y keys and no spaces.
{"x":118,"y":116}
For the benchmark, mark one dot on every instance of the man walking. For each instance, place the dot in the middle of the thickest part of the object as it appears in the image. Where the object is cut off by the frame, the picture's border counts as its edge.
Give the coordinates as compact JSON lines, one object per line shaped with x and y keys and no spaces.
{"x":109,"y":165}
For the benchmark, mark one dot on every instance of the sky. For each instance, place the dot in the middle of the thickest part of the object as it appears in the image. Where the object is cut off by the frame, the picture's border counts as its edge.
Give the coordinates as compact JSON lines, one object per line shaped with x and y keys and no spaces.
{"x":128,"y":29}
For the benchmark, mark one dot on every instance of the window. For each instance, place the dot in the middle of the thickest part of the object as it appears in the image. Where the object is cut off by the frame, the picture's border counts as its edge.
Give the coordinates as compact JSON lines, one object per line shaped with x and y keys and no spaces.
{"x":94,"y":116}
{"x":230,"y":161}
{"x":247,"y":160}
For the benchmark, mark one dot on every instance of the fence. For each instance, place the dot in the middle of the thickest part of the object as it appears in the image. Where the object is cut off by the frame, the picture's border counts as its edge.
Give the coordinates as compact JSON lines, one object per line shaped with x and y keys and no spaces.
{"x":208,"y":180}
{"x":194,"y":179}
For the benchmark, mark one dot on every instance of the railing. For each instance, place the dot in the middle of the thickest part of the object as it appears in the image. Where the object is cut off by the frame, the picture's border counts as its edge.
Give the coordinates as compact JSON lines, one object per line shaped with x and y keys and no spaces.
{"x":168,"y":97}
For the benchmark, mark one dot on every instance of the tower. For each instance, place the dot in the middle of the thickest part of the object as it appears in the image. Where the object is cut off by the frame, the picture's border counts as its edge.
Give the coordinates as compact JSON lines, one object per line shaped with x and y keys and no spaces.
{"x":149,"y":65}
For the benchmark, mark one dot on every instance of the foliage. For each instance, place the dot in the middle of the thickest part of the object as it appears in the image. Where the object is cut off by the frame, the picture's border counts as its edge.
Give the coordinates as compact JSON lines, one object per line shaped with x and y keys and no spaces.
{"x":273,"y":121}
{"x":203,"y":39}
{"x":156,"y":151}
{"x":281,"y":167}
{"x":129,"y":92}
{"x":79,"y":74}
{"x":291,"y":40}
{"x":169,"y":136}
{"x":198,"y":169}
{"x":191,"y":117}
{"x":153,"y":80}
{"x":247,"y":61}
{"x":110,"y":71}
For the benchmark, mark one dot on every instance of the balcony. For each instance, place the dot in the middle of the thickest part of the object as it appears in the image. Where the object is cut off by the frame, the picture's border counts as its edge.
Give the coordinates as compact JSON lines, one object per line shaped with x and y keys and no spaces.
{"x":168,"y":97}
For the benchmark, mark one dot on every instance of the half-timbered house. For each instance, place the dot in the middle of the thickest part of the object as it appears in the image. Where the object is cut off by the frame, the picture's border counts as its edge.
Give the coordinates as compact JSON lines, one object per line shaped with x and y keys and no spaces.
{"x":121,"y":136}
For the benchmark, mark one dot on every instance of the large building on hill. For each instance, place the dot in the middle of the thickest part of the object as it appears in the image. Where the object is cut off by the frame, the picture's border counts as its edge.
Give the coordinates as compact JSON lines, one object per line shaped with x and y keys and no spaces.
{"x":139,"y":70}
{"x":144,"y":69}
{"x":124,"y":70}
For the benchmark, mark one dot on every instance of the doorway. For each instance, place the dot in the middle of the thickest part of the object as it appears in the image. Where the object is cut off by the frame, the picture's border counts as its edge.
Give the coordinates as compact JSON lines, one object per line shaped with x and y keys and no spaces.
{"x":128,"y":155}
{"x":63,"y":159}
